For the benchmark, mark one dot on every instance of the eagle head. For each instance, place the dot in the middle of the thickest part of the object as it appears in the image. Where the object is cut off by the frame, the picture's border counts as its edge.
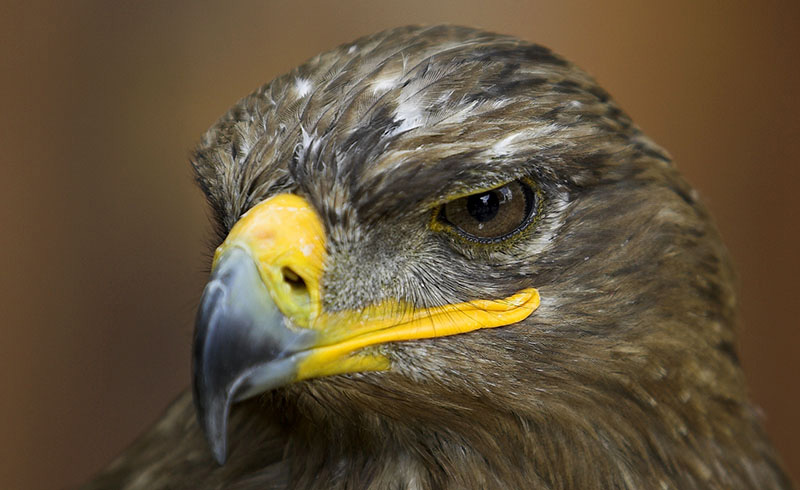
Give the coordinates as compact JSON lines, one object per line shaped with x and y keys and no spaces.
{"x":447,"y":257}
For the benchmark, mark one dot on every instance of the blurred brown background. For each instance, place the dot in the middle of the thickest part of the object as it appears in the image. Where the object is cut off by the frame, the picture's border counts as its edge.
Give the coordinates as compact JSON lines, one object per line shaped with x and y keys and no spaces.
{"x":103,"y":236}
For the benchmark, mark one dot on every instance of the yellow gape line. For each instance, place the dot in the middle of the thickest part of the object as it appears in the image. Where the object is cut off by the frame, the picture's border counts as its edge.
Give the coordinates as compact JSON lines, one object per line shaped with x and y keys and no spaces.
{"x":286,"y":239}
{"x":348,"y":332}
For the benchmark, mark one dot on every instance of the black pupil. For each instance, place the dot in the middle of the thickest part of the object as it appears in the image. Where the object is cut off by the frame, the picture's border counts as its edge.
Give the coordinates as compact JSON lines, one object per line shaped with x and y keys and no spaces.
{"x":483,"y":207}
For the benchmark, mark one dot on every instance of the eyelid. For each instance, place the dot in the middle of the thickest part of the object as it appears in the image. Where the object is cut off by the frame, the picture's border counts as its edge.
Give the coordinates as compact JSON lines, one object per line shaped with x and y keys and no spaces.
{"x":464,"y":189}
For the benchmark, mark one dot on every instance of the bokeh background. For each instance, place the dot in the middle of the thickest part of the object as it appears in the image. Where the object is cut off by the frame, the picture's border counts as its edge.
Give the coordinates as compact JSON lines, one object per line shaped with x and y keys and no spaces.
{"x":104,"y":238}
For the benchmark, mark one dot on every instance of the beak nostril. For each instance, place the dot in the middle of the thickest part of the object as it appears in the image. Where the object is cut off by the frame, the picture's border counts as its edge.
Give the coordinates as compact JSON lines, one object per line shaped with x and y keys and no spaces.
{"x":293,"y":279}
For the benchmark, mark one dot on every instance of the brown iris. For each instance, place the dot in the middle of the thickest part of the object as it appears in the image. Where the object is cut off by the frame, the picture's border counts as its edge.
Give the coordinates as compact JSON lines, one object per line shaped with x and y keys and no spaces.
{"x":491,"y":215}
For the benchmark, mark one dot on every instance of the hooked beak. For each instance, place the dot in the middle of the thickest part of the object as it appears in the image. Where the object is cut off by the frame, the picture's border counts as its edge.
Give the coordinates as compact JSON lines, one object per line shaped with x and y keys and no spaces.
{"x":243,"y":344}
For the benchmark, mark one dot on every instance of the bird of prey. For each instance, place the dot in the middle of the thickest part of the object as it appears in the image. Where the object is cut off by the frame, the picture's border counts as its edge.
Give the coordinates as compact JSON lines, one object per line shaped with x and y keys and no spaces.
{"x":448,"y":260}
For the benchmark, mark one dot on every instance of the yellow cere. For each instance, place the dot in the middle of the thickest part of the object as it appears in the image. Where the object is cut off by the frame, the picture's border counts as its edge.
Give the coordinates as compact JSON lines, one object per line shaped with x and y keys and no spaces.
{"x":286,"y":238}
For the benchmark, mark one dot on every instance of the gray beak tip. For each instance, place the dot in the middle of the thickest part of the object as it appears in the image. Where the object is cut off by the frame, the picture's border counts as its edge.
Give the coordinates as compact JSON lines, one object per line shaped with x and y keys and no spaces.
{"x":212,"y":415}
{"x":217,"y":439}
{"x":214,"y":421}
{"x":241,"y":345}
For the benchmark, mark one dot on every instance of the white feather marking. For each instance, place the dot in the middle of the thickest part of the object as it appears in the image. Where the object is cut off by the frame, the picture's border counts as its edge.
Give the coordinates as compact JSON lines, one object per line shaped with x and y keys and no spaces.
{"x":383,"y":84}
{"x":460,"y":114}
{"x":504,"y":146}
{"x":303,"y":86}
{"x":307,"y":143}
{"x":409,"y":114}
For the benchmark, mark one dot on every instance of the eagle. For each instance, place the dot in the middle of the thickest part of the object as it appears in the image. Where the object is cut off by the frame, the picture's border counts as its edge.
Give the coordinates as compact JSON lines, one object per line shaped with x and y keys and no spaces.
{"x":447,"y":259}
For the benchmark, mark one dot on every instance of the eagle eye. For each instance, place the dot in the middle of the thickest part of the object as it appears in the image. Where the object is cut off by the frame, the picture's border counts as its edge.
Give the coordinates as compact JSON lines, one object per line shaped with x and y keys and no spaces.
{"x":493,"y":215}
